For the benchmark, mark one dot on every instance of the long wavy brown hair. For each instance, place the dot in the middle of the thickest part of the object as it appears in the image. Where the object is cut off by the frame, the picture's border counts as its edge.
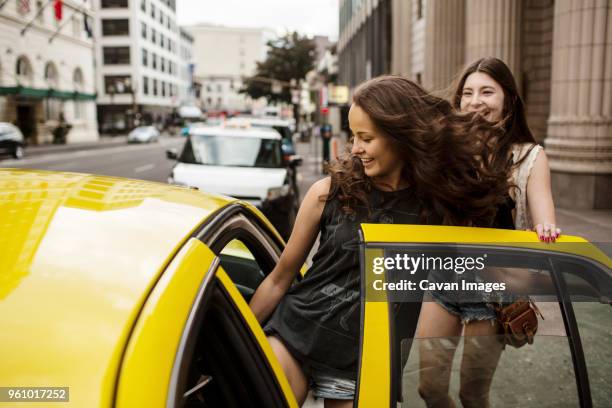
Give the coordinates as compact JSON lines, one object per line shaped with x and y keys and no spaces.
{"x":514,"y":120}
{"x":454,"y":181}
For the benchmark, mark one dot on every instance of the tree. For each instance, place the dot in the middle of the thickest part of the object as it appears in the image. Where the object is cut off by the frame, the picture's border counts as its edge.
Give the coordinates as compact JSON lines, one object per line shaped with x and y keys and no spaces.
{"x":289,"y":58}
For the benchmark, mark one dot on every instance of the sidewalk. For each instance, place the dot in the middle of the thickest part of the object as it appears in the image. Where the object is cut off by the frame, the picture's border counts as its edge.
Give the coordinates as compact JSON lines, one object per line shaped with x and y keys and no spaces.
{"x":594,"y":225}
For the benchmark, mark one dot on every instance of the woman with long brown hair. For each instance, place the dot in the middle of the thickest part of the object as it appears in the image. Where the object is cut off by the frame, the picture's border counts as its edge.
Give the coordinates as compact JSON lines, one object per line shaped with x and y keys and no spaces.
{"x":409,"y":163}
{"x":486,"y":88}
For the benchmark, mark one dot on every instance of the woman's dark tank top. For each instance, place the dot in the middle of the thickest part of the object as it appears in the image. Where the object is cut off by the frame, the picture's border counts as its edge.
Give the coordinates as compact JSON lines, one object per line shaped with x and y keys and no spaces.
{"x":319,"y":317}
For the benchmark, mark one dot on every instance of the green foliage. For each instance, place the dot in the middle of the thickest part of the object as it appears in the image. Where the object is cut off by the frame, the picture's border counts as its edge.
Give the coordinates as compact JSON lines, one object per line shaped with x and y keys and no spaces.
{"x":289,"y":58}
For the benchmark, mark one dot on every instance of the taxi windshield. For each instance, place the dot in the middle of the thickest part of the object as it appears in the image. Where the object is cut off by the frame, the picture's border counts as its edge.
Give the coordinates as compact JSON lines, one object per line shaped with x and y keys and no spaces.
{"x":234,"y":151}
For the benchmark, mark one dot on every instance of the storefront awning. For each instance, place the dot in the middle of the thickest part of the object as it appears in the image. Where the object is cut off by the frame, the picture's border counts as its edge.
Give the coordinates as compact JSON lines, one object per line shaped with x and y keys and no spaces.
{"x":45,"y":93}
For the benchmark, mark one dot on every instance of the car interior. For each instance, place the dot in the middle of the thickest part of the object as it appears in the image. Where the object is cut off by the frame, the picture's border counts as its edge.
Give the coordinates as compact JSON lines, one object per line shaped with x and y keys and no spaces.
{"x":227,"y":368}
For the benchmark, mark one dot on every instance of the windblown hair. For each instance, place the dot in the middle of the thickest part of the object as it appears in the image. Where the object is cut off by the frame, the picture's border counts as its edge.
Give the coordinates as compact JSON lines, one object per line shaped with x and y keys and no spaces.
{"x":453,"y":180}
{"x":514,"y":119}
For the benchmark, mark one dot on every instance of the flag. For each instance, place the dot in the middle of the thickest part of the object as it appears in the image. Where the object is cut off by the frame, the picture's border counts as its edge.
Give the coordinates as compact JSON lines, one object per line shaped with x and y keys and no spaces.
{"x":86,"y":25}
{"x":23,"y":6}
{"x":57,"y":6}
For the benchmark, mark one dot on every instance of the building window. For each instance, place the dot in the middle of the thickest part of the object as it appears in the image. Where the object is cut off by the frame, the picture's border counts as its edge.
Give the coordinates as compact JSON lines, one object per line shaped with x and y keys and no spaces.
{"x":155,"y":87}
{"x":219,"y":88}
{"x":152,"y":11}
{"x":116,"y":27}
{"x":420,"y":7}
{"x":114,"y":4}
{"x":51,"y":77}
{"x":145,"y":58}
{"x":145,"y":85}
{"x":76,"y":26}
{"x":161,"y":17}
{"x":23,"y":70}
{"x":162,"y":39}
{"x":79,"y":106}
{"x":116,"y":84}
{"x":163,"y":64}
{"x":153,"y":36}
{"x":163,"y":88}
{"x":143,"y":30}
{"x":143,"y":5}
{"x":116,"y":55}
{"x":154,"y":60}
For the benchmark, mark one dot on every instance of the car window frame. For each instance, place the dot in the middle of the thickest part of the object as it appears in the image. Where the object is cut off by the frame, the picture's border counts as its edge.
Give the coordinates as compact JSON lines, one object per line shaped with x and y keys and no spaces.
{"x":217,"y":278}
{"x":569,"y":319}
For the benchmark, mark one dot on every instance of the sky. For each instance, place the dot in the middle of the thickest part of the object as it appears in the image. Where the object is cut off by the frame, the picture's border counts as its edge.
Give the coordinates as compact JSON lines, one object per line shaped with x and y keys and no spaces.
{"x":310,"y":17}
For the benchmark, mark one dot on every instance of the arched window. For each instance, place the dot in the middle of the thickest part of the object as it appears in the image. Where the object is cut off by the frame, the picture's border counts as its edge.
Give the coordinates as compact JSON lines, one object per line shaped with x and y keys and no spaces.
{"x":77,"y":80}
{"x":79,"y":105}
{"x":51,"y":77}
{"x":23,"y":69}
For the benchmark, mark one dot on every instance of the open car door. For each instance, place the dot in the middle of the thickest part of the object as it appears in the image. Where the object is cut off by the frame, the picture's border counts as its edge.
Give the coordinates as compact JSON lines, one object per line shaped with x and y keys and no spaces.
{"x":568,"y":363}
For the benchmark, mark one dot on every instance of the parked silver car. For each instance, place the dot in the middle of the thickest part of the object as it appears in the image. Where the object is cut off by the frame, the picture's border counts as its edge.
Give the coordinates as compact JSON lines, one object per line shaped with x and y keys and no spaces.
{"x":11,"y":140}
{"x":143,"y":134}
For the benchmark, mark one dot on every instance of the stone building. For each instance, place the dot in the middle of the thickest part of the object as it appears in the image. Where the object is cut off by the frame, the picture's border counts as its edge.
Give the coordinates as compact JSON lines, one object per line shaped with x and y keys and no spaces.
{"x":47,"y":69}
{"x":560,"y":52}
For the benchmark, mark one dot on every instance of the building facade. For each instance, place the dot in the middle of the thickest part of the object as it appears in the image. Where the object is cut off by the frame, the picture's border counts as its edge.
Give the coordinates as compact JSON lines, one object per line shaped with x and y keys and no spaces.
{"x":46,"y":69}
{"x":139,"y":63}
{"x":560,"y":52}
{"x":223,"y":56}
{"x":186,"y":91}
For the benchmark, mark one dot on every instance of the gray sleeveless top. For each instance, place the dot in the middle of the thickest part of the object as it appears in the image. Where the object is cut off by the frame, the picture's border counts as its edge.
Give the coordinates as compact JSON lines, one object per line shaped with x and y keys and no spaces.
{"x":318,"y":319}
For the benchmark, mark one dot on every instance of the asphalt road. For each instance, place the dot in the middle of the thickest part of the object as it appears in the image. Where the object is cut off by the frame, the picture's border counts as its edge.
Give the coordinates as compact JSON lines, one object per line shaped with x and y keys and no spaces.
{"x":140,"y":161}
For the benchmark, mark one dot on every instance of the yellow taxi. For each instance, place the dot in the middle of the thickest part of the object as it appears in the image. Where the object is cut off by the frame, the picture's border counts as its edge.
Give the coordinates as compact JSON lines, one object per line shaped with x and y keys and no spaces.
{"x":126,"y":293}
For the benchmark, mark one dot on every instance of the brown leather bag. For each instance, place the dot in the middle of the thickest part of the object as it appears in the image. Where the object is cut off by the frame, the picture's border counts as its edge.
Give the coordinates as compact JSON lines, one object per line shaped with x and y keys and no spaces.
{"x":519,"y":322}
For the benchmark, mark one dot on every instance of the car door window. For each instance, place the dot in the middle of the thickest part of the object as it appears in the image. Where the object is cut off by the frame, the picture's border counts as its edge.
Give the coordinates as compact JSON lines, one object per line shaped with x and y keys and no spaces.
{"x":242,"y":267}
{"x":474,"y":367}
{"x":247,"y":250}
{"x":227,"y":363}
{"x":589,"y":289}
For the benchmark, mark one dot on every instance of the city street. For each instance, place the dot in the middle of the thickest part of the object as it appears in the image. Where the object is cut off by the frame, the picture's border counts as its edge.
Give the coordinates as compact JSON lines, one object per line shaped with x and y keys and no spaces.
{"x":113,"y":158}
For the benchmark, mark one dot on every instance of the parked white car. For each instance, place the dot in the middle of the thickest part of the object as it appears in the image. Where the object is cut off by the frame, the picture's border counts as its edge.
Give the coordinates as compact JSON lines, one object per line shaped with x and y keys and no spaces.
{"x":242,"y":163}
{"x":11,"y":140}
{"x":143,"y":134}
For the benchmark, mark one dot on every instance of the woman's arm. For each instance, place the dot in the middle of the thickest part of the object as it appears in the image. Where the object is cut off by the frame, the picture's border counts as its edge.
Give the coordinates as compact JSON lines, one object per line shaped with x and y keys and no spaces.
{"x":304,"y":233}
{"x":540,"y":200}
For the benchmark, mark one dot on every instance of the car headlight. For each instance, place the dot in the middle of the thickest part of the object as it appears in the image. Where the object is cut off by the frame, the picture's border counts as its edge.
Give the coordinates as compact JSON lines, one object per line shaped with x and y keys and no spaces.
{"x":278,"y":192}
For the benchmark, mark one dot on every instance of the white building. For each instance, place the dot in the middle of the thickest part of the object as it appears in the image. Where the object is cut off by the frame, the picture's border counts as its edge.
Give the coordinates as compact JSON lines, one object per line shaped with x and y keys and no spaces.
{"x":139,"y":62}
{"x":186,"y":69}
{"x":47,"y":70}
{"x":223,"y":56}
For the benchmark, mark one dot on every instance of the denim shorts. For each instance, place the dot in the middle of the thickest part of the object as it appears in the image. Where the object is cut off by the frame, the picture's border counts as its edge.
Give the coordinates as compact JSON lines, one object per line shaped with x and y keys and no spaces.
{"x":475,"y":306}
{"x":466,"y":311}
{"x":325,"y":385}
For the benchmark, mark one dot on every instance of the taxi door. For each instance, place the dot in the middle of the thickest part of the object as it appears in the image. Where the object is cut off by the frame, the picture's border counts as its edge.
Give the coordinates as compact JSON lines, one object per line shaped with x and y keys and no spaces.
{"x":405,"y":357}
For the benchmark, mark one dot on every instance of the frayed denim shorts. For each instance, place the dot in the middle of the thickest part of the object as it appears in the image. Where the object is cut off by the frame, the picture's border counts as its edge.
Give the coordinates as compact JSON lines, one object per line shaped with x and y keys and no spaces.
{"x":325,"y":385}
{"x":475,"y":306}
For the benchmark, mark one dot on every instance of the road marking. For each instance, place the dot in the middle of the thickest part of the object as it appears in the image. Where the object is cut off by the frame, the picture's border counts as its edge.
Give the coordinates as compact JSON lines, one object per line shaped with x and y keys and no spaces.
{"x":146,"y":167}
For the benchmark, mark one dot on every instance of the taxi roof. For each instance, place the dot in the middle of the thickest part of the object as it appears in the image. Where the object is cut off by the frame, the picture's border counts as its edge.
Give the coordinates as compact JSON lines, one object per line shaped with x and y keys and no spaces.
{"x":80,"y":253}
{"x":236,"y":130}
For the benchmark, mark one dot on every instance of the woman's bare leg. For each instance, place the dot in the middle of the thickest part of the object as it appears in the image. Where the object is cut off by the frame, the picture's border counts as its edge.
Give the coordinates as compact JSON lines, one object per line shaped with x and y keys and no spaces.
{"x":292,"y":370}
{"x":438,"y":333}
{"x":481,"y":352}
